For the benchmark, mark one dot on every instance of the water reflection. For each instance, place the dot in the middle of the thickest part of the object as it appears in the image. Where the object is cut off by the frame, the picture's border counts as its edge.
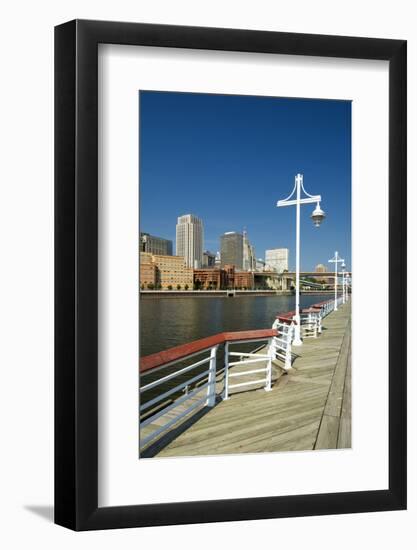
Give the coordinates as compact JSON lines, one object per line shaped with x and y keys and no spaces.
{"x":167,"y":322}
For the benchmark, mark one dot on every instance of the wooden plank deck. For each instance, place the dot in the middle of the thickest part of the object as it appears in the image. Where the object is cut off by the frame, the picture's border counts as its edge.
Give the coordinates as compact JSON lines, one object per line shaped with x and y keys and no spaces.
{"x":308,"y":408}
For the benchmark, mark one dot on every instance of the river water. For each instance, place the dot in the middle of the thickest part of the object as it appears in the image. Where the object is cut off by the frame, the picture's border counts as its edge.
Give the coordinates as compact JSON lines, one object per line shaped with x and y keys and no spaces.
{"x":167,"y":322}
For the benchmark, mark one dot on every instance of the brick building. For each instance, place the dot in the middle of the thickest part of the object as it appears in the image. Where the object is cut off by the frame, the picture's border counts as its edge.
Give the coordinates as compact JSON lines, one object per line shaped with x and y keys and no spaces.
{"x":163,"y":271}
{"x":160,"y":272}
{"x":244,"y":279}
{"x":223,"y":278}
{"x":211,"y":278}
{"x":172,"y":271}
{"x":147,"y":271}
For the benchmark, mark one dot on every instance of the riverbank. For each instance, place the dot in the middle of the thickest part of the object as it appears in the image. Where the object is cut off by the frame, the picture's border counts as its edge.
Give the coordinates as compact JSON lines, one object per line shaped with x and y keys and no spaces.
{"x":225,"y":293}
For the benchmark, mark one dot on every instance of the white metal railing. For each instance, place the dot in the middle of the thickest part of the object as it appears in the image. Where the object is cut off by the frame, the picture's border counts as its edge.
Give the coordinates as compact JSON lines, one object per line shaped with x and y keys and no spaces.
{"x":328,"y":307}
{"x":311,"y":324}
{"x":278,"y":347}
{"x":311,"y":321}
{"x":208,"y":398}
{"x":247,"y":359}
{"x":282,"y":342}
{"x":199,"y":389}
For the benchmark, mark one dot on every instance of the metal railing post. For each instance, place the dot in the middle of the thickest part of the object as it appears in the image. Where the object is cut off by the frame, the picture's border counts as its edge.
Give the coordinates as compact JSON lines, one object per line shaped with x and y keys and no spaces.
{"x":226,"y":371}
{"x":271,"y":348}
{"x":211,"y":388}
{"x":288,"y":348}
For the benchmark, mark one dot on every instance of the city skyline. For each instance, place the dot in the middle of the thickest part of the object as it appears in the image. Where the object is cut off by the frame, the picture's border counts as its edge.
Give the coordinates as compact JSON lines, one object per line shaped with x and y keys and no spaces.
{"x":264,"y":259}
{"x":215,"y":250}
{"x":228,"y":159}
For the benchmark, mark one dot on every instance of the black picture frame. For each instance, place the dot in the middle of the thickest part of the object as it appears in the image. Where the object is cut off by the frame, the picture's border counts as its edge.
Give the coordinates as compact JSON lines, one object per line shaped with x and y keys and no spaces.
{"x":76,"y":272}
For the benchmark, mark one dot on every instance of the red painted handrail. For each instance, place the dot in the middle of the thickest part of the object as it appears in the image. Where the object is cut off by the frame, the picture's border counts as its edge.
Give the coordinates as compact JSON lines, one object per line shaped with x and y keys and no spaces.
{"x":180,"y":352}
{"x":319,"y":304}
{"x":287,"y":318}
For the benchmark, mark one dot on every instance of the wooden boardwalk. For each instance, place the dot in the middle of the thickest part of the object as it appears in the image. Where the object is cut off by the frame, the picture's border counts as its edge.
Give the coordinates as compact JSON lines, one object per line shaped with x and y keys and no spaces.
{"x":309,"y":408}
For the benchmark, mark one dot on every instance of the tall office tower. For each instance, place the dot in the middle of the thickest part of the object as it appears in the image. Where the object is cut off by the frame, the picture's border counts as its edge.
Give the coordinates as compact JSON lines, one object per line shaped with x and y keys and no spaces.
{"x":277,"y":259}
{"x":155,"y":245}
{"x":209,"y":259}
{"x":231,"y":246}
{"x":253,"y":268}
{"x":260,"y":264}
{"x":189,"y":242}
{"x":249,"y":260}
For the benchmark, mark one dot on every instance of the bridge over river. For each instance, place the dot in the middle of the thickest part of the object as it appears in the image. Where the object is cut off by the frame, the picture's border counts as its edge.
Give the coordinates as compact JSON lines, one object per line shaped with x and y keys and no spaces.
{"x":308,"y":407}
{"x":286,"y":280}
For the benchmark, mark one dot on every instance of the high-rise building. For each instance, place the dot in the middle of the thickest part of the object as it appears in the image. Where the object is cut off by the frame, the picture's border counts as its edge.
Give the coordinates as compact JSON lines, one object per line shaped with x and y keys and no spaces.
{"x":249,"y":260}
{"x":277,"y":259}
{"x":260,"y":264}
{"x":155,"y":245}
{"x":189,"y":242}
{"x":253,"y":258}
{"x":209,"y":259}
{"x":231,"y":246}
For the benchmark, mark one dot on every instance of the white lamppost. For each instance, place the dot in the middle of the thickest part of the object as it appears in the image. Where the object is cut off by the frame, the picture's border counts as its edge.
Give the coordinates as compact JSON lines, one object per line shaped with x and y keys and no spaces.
{"x":317,"y":216}
{"x":336,"y":260}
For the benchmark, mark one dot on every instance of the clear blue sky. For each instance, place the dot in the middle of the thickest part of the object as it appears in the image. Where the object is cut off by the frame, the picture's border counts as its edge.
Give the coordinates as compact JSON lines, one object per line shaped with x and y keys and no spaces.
{"x":228,"y":159}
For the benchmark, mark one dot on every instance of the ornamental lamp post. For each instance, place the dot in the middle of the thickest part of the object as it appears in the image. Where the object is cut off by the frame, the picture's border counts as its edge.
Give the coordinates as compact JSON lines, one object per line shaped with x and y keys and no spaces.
{"x":317,"y":216}
{"x":336,"y":260}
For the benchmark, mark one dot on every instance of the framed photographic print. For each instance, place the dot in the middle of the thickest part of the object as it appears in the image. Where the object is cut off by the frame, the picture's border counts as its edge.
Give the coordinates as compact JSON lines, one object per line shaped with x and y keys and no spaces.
{"x":230,"y":275}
